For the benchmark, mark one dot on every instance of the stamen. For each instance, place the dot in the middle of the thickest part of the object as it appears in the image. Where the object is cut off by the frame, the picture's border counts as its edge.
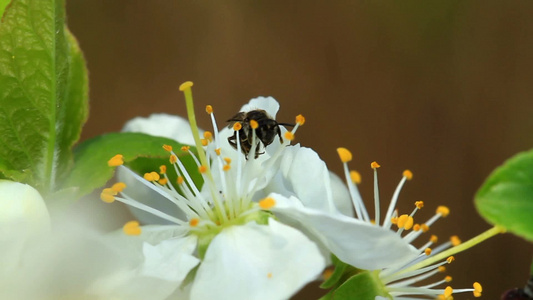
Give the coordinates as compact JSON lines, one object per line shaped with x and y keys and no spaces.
{"x":344,"y":154}
{"x":162,"y":169}
{"x":118,"y":187}
{"x":209,"y":109}
{"x":132,"y":228}
{"x":167,"y":148}
{"x":455,"y":240}
{"x":427,"y":251}
{"x":267,"y":203}
{"x":419,"y":204}
{"x":217,"y":151}
{"x":477,"y":289}
{"x":180,"y":180}
{"x":289,"y":136}
{"x":254,"y":124}
{"x":208,"y":136}
{"x":407,"y":174}
{"x":116,"y":161}
{"x":185,"y":148}
{"x":374,"y":165}
{"x":394,"y":200}
{"x":237,"y":126}
{"x":194,"y":222}
{"x":300,"y":120}
{"x":448,"y":291}
{"x":173,"y":159}
{"x":376,"y":193}
{"x":202,"y":169}
{"x":443,"y":211}
{"x":163,"y":181}
{"x":355,"y":176}
{"x":108,"y":195}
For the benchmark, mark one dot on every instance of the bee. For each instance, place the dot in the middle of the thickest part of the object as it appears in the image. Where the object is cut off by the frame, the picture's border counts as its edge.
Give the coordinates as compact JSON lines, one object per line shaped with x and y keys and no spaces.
{"x":265,"y":133}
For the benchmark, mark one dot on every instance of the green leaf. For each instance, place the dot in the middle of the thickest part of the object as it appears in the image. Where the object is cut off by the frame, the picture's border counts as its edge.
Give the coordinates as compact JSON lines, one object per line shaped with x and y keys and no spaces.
{"x":506,"y":197}
{"x":363,"y":286}
{"x":43,"y":99}
{"x":338,"y":273}
{"x":91,"y":170}
{"x":3,"y":4}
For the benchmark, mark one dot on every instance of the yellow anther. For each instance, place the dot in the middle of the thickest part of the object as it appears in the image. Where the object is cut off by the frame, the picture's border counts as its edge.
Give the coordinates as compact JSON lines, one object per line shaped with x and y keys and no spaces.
{"x":450,"y":259}
{"x":163,"y":181}
{"x":132,"y":228}
{"x":355,"y":177}
{"x":455,"y":240}
{"x":204,"y":142}
{"x":185,"y":148}
{"x":227,"y":160}
{"x":448,"y":291}
{"x":443,"y":211}
{"x":448,"y":278}
{"x":267,"y":203}
{"x":419,"y":204}
{"x":409,"y":223}
{"x":180,"y":180}
{"x":300,"y":120}
{"x":217,"y":151}
{"x":394,"y":220}
{"x":402,"y":220}
{"x":186,"y":85}
{"x":194,"y":222}
{"x":433,"y":239}
{"x":344,"y":154}
{"x":442,"y":269}
{"x":162,"y":169}
{"x":477,"y":288}
{"x":424,"y":228}
{"x":173,"y":159}
{"x":427,"y":251}
{"x":237,"y":126}
{"x":269,"y":275}
{"x":408,"y":174}
{"x":118,"y":187}
{"x":116,"y":161}
{"x":167,"y":148}
{"x":416,"y":227}
{"x":476,"y":294}
{"x":152,"y":176}
{"x":373,"y":222}
{"x":327,"y":274}
{"x":374,"y":165}
{"x":254,"y":124}
{"x":289,"y":135}
{"x":202,"y":169}
{"x":108,"y":195}
{"x":209,"y":109}
{"x":208,"y":135}
{"x":226,"y":167}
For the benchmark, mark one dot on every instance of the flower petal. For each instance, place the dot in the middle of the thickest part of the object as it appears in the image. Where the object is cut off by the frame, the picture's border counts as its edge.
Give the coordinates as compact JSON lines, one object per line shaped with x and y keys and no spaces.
{"x":169,"y":126}
{"x":341,"y":195}
{"x":268,"y":104}
{"x":257,"y":262}
{"x":355,"y":242}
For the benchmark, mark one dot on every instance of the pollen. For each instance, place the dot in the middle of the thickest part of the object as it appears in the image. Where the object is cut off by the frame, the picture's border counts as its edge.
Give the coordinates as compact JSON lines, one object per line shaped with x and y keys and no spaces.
{"x":118,"y":187}
{"x":209,"y":109}
{"x":226,"y":168}
{"x":173,"y":159}
{"x":394,"y":220}
{"x":427,"y":251}
{"x":267,"y":203}
{"x":450,"y":259}
{"x":355,"y":177}
{"x":433,"y":239}
{"x":424,"y":228}
{"x":204,"y":142}
{"x":374,"y":165}
{"x":344,"y":154}
{"x":237,"y":126}
{"x":185,"y":148}
{"x":163,"y":181}
{"x":162,"y":169}
{"x":416,"y":227}
{"x":408,"y":174}
{"x":108,"y":195}
{"x":269,"y":275}
{"x":152,"y":176}
{"x":194,"y":222}
{"x":167,"y":148}
{"x":405,"y":221}
{"x":202,"y":169}
{"x":477,"y":289}
{"x":442,"y":269}
{"x":419,"y":204}
{"x":300,"y":120}
{"x":217,"y":151}
{"x":448,"y":278}
{"x":455,"y":240}
{"x":254,"y":124}
{"x":289,"y":135}
{"x":208,"y":135}
{"x":180,"y":180}
{"x":132,"y":228}
{"x":116,"y":161}
{"x":443,"y":211}
{"x":186,"y":85}
{"x":227,"y":160}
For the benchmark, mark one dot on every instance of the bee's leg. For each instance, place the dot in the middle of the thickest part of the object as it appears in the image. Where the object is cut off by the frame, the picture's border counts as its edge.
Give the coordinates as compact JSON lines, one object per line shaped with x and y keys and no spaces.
{"x":232,"y":140}
{"x":279,"y":134}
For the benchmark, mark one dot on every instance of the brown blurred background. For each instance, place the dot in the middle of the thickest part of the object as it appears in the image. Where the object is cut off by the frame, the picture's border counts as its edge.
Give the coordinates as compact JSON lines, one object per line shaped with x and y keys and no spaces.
{"x":443,"y":88}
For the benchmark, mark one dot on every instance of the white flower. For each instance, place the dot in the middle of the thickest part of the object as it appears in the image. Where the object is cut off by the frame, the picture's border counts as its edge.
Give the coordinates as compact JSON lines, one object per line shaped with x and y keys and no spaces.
{"x":244,"y":252}
{"x":400,"y":276}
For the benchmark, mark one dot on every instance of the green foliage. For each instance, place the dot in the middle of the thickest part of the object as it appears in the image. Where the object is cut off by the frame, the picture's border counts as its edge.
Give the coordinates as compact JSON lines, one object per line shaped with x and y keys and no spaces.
{"x":506,"y":197}
{"x":365,"y":285}
{"x":144,"y":152}
{"x":43,"y":99}
{"x":3,"y":4}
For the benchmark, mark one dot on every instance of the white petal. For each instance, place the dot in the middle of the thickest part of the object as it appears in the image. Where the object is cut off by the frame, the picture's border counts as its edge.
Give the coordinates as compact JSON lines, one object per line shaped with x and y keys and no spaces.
{"x":169,"y":126}
{"x":341,"y":195}
{"x":355,"y":242}
{"x":268,"y":104}
{"x":23,"y":207}
{"x":257,"y":262}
